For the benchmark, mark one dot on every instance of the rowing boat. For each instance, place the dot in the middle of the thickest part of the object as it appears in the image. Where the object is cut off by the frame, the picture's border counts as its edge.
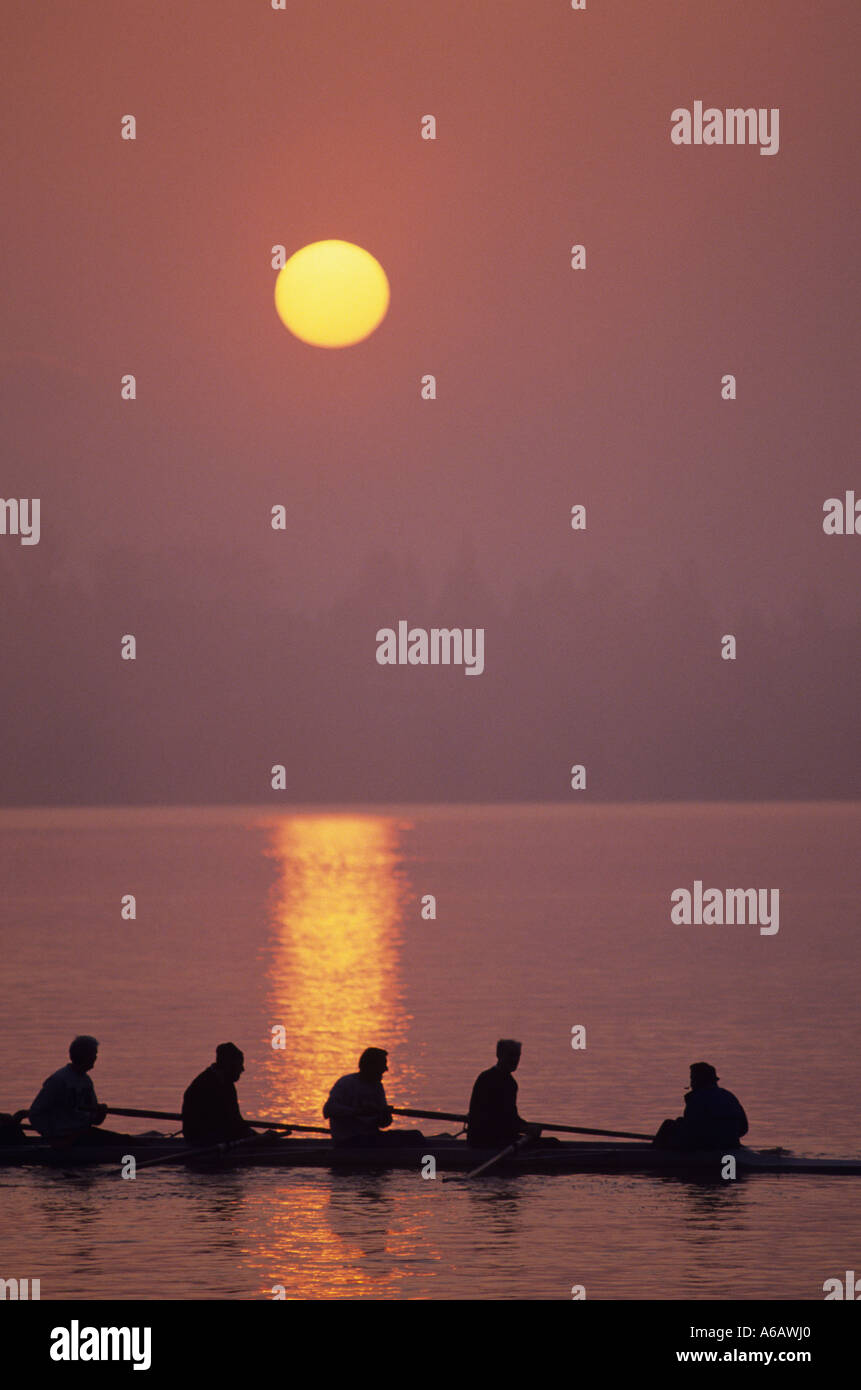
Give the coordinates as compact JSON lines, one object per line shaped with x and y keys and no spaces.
{"x":450,"y":1155}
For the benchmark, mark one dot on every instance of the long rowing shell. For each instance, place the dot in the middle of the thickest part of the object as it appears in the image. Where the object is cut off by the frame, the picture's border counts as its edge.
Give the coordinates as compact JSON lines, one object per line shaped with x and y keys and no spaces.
{"x":449,"y":1154}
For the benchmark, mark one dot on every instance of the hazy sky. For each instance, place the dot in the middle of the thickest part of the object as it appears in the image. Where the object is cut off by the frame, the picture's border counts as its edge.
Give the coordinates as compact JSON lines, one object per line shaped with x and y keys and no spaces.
{"x":256,"y":128}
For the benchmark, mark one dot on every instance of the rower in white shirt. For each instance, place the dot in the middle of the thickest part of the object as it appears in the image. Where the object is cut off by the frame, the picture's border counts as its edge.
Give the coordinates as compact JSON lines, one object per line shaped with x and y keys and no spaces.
{"x":66,"y":1110}
{"x":357,"y":1109}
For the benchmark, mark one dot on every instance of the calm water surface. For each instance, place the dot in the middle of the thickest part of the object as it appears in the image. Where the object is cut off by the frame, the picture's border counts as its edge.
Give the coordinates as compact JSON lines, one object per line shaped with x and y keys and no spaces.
{"x":547,"y":917}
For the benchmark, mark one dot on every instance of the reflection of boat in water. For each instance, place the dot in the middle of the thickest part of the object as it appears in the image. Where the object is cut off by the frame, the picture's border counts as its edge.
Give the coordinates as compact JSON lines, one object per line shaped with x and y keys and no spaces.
{"x":450,"y":1155}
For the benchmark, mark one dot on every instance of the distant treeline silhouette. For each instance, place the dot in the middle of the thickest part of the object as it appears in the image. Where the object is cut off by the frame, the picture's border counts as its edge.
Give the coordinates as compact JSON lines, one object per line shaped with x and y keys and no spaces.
{"x":237,"y":670}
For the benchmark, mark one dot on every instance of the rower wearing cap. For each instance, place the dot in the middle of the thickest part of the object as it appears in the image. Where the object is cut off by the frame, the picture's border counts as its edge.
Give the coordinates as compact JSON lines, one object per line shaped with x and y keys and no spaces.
{"x":210,"y":1108}
{"x":714,"y":1118}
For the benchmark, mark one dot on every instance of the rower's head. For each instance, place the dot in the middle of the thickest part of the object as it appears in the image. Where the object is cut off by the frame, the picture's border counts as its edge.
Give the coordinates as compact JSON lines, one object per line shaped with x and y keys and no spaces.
{"x":508,"y":1054}
{"x":83,"y":1052}
{"x":230,"y":1060}
{"x":703,"y":1074}
{"x":373,"y":1063}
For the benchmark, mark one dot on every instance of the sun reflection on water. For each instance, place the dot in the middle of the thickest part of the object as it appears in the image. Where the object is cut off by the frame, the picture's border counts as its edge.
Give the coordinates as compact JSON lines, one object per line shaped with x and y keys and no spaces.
{"x":334,"y":967}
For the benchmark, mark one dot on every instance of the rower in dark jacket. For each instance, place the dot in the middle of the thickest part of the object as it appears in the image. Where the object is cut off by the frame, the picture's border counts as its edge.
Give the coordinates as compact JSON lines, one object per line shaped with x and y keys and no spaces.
{"x":714,"y":1118}
{"x":493,"y":1119}
{"x":210,"y":1108}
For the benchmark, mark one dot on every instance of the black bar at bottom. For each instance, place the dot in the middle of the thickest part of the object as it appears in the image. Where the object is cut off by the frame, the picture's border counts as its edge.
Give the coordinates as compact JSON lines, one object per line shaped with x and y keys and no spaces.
{"x":223,"y":1340}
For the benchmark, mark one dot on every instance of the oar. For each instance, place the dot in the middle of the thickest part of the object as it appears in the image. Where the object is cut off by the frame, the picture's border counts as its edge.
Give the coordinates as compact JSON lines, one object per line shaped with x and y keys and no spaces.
{"x":178,"y":1156}
{"x":181,"y":1156}
{"x":172,"y":1115}
{"x":483,"y":1167}
{"x":562,"y":1129}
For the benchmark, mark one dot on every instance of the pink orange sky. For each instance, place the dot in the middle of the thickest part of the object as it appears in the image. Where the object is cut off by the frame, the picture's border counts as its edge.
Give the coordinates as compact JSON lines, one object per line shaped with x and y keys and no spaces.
{"x":257,"y":128}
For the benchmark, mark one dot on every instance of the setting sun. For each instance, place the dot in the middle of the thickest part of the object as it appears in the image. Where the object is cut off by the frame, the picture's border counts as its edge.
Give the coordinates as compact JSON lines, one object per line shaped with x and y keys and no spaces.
{"x":332,"y":294}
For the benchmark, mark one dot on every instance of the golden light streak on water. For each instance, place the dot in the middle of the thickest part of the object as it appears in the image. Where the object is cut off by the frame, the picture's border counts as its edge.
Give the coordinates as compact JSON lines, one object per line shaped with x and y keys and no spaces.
{"x":334,"y":968}
{"x":335,"y":985}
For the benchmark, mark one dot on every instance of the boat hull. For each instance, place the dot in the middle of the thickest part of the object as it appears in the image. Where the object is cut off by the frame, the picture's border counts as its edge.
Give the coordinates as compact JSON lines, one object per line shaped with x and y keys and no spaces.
{"x":450,"y":1155}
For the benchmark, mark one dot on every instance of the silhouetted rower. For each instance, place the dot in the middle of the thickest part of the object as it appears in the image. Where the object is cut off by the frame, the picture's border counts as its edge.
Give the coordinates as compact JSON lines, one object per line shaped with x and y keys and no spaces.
{"x":357,"y":1109}
{"x":493,"y":1120}
{"x":713,"y":1118}
{"x":66,"y":1110}
{"x":210,"y":1108}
